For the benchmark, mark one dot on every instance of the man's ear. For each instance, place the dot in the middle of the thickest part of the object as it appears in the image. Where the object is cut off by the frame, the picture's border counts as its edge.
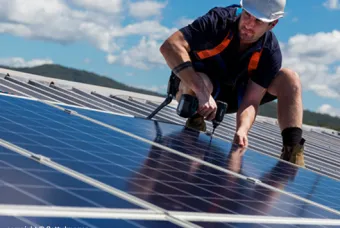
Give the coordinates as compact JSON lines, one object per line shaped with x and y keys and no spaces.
{"x":272,"y":24}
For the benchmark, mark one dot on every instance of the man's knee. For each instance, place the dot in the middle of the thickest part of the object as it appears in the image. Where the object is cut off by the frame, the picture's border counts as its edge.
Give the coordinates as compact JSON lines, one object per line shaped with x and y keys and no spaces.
{"x":291,"y":77}
{"x":286,"y":81}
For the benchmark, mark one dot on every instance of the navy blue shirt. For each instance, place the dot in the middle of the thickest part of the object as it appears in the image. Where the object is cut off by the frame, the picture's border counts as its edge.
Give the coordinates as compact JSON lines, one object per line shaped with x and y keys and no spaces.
{"x":230,"y":67}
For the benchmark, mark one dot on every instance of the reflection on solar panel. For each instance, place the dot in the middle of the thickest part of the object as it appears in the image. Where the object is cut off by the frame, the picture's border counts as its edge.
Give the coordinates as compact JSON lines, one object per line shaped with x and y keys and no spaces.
{"x":92,"y":168}
{"x":256,"y":165}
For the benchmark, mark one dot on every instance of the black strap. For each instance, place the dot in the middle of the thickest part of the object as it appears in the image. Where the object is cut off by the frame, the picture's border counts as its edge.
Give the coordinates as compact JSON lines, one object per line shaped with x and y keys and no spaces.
{"x":181,"y":67}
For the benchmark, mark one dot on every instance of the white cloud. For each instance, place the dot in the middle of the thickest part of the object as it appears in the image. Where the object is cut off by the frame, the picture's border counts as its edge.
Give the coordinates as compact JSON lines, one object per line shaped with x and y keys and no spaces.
{"x":145,"y":55}
{"x":22,"y":11}
{"x":151,"y":28}
{"x":328,"y":109}
{"x":184,"y":22}
{"x":99,"y":24}
{"x":20,"y":62}
{"x":314,"y":57}
{"x":332,"y":4}
{"x":106,"y":6}
{"x":324,"y":91}
{"x":145,"y":9}
{"x":111,"y":58}
{"x":55,"y":21}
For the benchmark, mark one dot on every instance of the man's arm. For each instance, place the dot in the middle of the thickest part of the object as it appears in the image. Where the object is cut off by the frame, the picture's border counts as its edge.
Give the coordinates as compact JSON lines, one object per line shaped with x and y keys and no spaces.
{"x":175,"y":51}
{"x":247,"y":112}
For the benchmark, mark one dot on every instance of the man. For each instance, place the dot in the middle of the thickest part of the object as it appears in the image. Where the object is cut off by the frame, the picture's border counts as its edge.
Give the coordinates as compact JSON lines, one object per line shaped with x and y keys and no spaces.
{"x":231,"y":54}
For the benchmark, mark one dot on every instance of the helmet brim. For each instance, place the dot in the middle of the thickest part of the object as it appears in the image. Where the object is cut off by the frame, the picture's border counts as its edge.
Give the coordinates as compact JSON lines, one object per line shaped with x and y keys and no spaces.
{"x":260,"y":16}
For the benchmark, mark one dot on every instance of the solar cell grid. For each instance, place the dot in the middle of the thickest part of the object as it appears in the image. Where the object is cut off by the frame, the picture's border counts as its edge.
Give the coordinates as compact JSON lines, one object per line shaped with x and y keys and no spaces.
{"x":24,"y":181}
{"x":192,"y":195}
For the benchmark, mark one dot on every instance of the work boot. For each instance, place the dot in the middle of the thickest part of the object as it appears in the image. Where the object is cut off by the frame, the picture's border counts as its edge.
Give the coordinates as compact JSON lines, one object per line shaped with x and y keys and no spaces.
{"x":196,"y":122}
{"x":294,"y":154}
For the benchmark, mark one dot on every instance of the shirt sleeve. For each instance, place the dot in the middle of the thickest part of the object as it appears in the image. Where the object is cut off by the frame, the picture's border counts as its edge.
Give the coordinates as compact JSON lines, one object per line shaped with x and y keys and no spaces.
{"x":206,"y":27}
{"x":268,"y":67}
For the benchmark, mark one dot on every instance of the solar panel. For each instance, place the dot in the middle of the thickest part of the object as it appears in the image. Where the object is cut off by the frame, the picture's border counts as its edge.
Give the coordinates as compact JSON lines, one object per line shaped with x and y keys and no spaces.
{"x":173,"y":175}
{"x":36,"y":90}
{"x":29,"y":92}
{"x":90,"y":99}
{"x":301,"y":182}
{"x":8,"y":90}
{"x":59,"y":92}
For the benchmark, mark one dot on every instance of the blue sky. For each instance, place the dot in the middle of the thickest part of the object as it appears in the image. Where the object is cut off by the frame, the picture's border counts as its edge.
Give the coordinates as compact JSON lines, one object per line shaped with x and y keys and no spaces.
{"x":121,"y":39}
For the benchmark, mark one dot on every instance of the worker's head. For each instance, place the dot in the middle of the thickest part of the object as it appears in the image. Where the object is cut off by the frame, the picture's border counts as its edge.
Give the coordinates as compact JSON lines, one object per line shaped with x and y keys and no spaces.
{"x":259,"y":16}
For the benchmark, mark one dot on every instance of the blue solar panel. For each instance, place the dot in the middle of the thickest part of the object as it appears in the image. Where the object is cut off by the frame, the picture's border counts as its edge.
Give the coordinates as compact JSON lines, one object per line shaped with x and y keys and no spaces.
{"x":151,"y":173}
{"x":25,"y":182}
{"x":46,"y":222}
{"x":299,"y":181}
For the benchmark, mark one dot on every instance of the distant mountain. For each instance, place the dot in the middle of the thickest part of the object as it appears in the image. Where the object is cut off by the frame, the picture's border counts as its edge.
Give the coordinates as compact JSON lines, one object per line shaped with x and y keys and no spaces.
{"x":71,"y":74}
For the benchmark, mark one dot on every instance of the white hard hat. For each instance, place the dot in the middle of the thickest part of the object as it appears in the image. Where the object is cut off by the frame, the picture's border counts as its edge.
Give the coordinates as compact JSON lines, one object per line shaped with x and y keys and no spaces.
{"x":265,"y":10}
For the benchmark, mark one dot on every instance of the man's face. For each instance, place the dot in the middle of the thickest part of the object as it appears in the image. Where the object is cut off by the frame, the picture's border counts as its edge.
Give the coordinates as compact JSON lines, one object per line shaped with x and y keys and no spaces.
{"x":251,"y":29}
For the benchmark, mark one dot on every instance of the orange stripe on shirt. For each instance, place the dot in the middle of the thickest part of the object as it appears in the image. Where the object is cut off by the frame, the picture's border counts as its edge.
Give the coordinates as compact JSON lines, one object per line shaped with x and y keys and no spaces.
{"x":254,"y":61}
{"x":216,"y":50}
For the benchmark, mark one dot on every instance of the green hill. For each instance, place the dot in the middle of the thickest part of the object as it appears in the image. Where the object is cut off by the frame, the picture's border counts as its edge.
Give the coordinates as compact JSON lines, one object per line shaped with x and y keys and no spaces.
{"x":71,"y":74}
{"x":309,"y":117}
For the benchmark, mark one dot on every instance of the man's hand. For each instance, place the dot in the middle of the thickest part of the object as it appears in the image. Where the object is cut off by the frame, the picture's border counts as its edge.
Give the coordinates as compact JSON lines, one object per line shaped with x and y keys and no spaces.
{"x":241,"y":138}
{"x":207,"y":106}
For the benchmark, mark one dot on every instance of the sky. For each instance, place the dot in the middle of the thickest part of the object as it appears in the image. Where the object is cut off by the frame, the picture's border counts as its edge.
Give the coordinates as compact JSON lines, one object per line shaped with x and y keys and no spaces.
{"x":120,"y":39}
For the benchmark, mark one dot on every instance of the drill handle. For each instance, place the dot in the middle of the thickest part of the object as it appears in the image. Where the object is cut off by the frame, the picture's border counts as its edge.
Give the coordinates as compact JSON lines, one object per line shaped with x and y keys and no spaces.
{"x":221,"y":111}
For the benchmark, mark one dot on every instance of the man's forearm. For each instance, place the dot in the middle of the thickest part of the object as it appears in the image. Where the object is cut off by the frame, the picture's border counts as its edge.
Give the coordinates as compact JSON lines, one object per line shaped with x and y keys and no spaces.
{"x":245,"y":117}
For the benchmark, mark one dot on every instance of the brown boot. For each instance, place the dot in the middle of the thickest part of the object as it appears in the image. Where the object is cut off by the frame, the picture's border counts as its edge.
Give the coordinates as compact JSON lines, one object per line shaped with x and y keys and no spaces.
{"x":196,"y":122}
{"x":294,"y":154}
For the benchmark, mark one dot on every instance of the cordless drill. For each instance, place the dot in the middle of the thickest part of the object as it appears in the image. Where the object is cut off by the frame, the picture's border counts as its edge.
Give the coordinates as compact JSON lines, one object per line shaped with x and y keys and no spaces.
{"x":188,"y":106}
